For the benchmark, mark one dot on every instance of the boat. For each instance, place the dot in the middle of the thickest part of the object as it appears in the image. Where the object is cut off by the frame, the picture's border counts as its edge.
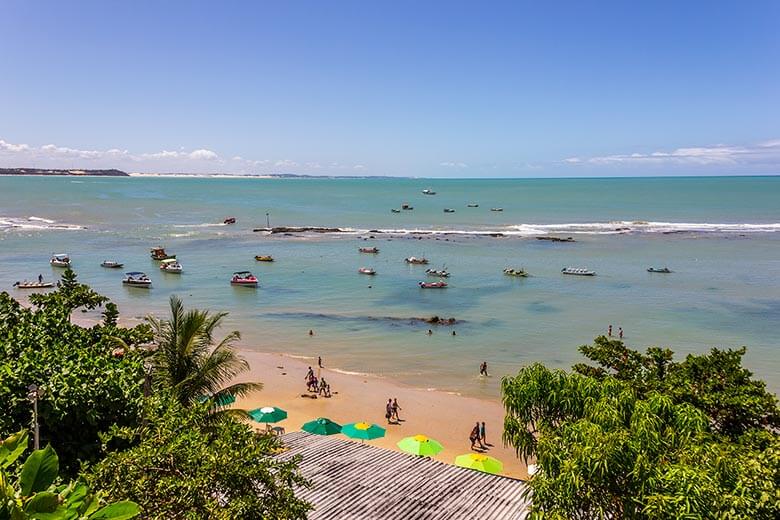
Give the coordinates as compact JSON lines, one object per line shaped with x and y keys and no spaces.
{"x":406,"y":207}
{"x":60,"y":260}
{"x":393,"y":210}
{"x":229,"y":220}
{"x":509,"y":271}
{"x":441,"y":273}
{"x":366,"y":270}
{"x":665,"y":270}
{"x":578,"y":271}
{"x":415,"y":260}
{"x":33,"y":285}
{"x":264,"y":258}
{"x":158,"y":253}
{"x":472,"y":205}
{"x":429,"y":192}
{"x":496,"y":209}
{"x":244,"y":278}
{"x":110,"y":264}
{"x":170,"y":265}
{"x":441,"y":284}
{"x":449,"y":210}
{"x":137,"y":279}
{"x":372,"y":250}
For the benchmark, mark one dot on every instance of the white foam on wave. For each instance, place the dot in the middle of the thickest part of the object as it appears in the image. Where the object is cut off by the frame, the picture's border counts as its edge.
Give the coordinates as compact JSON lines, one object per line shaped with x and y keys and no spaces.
{"x":38,"y":223}
{"x":640,"y":226}
{"x":203,"y":225}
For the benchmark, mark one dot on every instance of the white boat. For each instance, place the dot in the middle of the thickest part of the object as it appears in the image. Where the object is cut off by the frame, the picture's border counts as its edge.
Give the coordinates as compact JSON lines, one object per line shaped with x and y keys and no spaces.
{"x":472,"y":205}
{"x":60,"y":260}
{"x":496,"y":209}
{"x":578,"y":271}
{"x":429,"y":192}
{"x":170,"y":265}
{"x":664,"y":270}
{"x":110,"y":264}
{"x":449,"y":210}
{"x":415,"y":260}
{"x":366,"y":270}
{"x":441,"y":273}
{"x":137,"y":279}
{"x":33,"y":285}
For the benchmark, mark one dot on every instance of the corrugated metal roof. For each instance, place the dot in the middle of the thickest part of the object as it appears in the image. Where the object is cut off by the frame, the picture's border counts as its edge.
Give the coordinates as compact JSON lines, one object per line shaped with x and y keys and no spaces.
{"x":353,"y":481}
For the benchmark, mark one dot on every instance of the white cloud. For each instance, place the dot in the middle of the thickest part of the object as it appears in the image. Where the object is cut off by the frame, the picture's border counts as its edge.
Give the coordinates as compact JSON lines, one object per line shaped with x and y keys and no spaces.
{"x":453,"y":164}
{"x":285,"y":163}
{"x":359,"y":167}
{"x":13,"y":148}
{"x":767,"y":152}
{"x":201,"y":154}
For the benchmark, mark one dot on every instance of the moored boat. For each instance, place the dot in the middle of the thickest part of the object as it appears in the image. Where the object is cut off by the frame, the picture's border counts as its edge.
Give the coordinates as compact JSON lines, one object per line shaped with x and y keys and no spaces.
{"x":34,"y":285}
{"x":432,"y":285}
{"x":578,"y":271}
{"x":110,"y":264}
{"x":664,"y":270}
{"x":415,"y":260}
{"x":428,"y":192}
{"x":449,"y":210}
{"x":137,"y":279}
{"x":393,"y":210}
{"x":158,"y":253}
{"x":229,"y":220}
{"x":366,"y":270}
{"x":472,"y":205}
{"x":171,"y":265}
{"x":60,"y":260}
{"x":244,"y":279}
{"x":441,"y":273}
{"x":264,"y":258}
{"x":406,"y":207}
{"x":371,"y":250}
{"x":510,"y":271}
{"x":496,"y":209}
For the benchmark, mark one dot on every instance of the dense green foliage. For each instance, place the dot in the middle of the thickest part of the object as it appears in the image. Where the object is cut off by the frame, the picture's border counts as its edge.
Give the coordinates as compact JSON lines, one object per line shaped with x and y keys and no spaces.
{"x":85,"y":388}
{"x":29,"y":490}
{"x":643,"y":436}
{"x":187,"y":463}
{"x":190,"y":362}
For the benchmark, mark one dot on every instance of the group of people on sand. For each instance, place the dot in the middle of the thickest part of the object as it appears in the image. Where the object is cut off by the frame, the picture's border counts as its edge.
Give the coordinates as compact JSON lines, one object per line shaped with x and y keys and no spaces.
{"x":391,"y":411}
{"x":317,"y":385}
{"x":609,"y":332}
{"x":477,"y":436}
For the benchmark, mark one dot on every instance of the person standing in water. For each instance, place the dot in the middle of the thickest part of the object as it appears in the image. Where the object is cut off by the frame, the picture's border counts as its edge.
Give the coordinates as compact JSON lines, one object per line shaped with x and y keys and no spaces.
{"x":620,"y":332}
{"x":311,"y":332}
{"x":40,"y":278}
{"x":609,"y":330}
{"x":319,"y":361}
{"x":483,"y":369}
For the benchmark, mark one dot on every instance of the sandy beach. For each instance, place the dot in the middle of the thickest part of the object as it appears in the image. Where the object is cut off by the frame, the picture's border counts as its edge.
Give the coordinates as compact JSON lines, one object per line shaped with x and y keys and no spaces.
{"x":445,"y":417}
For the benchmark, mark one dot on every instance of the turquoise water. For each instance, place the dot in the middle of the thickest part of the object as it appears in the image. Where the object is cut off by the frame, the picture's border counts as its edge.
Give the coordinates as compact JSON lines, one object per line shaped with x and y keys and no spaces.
{"x":719,"y":236}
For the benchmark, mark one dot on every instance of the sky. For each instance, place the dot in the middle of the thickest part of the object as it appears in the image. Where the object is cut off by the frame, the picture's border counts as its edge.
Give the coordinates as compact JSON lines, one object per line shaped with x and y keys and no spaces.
{"x":402,"y":88}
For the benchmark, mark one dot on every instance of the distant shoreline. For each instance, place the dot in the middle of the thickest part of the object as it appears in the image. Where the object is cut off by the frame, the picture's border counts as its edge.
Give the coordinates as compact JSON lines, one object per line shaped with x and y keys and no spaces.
{"x":47,"y":172}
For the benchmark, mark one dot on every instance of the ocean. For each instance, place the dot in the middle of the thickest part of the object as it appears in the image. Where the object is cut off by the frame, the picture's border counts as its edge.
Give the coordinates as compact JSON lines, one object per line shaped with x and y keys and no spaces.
{"x":719,"y":236}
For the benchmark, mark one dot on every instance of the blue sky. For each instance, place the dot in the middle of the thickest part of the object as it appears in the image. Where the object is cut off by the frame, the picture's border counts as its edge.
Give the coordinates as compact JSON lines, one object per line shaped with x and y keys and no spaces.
{"x":456,"y":89}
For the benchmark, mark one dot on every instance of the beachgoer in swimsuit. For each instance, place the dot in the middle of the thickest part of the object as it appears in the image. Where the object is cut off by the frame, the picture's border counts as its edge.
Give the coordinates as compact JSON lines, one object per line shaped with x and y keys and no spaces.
{"x":609,"y":330}
{"x":389,"y":411}
{"x":482,"y":433}
{"x":430,"y":332}
{"x":620,"y":332}
{"x":319,"y":361}
{"x":311,"y":332}
{"x":40,"y":278}
{"x":474,"y":436}
{"x":395,"y":409}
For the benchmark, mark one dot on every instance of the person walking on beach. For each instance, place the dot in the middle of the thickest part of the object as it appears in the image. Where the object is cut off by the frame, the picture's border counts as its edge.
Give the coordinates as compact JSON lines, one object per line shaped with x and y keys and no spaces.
{"x":609,"y":330}
{"x":474,"y":437}
{"x":309,"y":374}
{"x":389,"y":411}
{"x":620,"y":332}
{"x":319,"y":361}
{"x":482,"y":439}
{"x":395,"y":409}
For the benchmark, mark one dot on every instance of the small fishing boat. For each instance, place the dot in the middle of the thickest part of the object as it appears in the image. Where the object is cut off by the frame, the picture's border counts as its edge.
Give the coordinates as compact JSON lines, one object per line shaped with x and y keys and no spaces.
{"x":33,"y":285}
{"x":441,"y":284}
{"x":429,"y":192}
{"x":496,"y":209}
{"x":244,"y":279}
{"x":415,"y":260}
{"x":171,"y":265}
{"x":406,"y":207}
{"x":264,"y":258}
{"x":366,"y":270}
{"x":393,"y":210}
{"x":371,"y":250}
{"x":578,"y":271}
{"x":664,"y":270}
{"x":449,"y":210}
{"x":110,"y":264}
{"x":472,"y":205}
{"x":137,"y":279}
{"x":60,"y":260}
{"x":229,"y":220}
{"x":158,"y":253}
{"x":509,"y":271}
{"x":441,"y":273}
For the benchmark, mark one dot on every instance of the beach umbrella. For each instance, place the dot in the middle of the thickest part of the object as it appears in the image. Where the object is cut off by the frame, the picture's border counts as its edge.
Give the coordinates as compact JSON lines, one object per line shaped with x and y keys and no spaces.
{"x":420,"y":445}
{"x":268,"y":414}
{"x":363,"y":431}
{"x":322,"y":426}
{"x":479,"y":462}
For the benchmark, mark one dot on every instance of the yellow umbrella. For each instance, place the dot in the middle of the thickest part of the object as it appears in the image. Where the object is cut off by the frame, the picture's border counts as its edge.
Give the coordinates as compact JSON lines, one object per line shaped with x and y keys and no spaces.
{"x":479,"y":462}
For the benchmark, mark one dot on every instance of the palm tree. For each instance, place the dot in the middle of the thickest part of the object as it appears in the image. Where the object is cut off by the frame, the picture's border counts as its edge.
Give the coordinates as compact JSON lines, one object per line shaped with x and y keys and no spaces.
{"x":188,"y":361}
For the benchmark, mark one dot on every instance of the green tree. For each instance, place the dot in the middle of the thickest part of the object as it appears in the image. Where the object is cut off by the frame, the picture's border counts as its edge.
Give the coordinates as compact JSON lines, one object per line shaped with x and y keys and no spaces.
{"x":31,"y":491}
{"x":84,"y":387}
{"x":70,"y":296}
{"x":639,"y":437}
{"x":188,"y":464}
{"x":190,"y":362}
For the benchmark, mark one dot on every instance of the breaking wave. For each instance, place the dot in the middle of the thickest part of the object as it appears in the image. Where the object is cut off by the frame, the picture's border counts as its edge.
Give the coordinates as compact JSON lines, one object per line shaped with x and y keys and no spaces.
{"x":38,"y":223}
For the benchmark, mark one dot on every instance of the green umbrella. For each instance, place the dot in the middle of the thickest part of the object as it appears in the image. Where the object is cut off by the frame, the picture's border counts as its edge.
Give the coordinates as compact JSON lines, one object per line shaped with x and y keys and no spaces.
{"x":268,"y":414}
{"x":420,"y":445}
{"x":363,"y":431}
{"x":322,"y":426}
{"x":479,"y":462}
